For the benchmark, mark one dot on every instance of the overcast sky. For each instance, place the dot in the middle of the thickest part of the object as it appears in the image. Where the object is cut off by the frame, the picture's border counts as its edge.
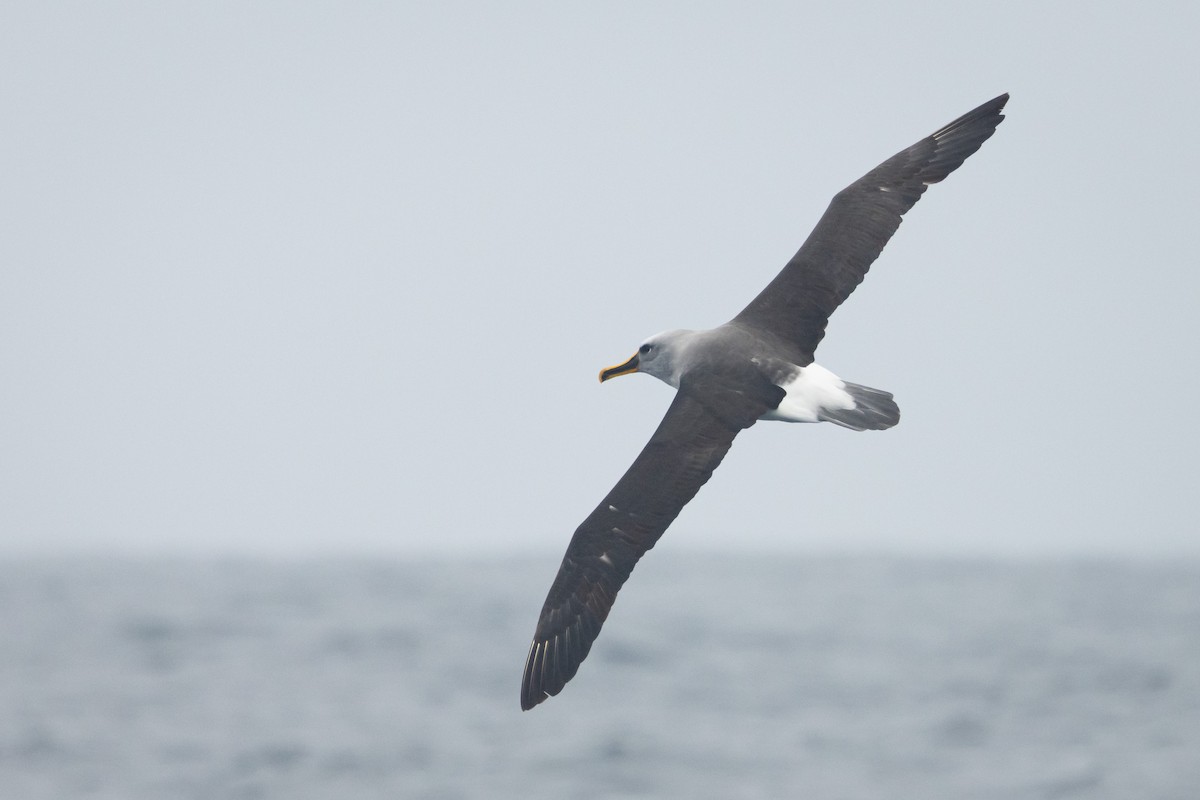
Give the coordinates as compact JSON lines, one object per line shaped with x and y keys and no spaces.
{"x":286,"y":278}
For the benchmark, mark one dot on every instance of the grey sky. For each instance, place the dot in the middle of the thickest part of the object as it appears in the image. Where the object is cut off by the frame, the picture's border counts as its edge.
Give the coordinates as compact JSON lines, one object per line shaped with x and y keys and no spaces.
{"x":297,"y":278}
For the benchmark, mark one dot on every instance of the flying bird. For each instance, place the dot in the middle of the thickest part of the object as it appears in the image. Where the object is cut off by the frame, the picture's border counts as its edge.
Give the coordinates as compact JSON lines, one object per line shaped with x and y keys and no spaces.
{"x":759,"y":365}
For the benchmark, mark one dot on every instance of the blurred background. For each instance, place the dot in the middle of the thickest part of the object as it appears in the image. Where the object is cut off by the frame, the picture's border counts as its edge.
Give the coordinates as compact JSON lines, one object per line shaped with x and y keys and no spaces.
{"x":301,"y":310}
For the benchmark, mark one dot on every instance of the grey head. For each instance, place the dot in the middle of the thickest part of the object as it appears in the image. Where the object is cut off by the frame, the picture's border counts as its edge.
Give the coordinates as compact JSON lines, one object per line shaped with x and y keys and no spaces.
{"x":663,"y":355}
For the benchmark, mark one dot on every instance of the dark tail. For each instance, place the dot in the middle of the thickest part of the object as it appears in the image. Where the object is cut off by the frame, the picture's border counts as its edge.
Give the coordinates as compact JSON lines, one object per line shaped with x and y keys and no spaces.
{"x":874,"y":410}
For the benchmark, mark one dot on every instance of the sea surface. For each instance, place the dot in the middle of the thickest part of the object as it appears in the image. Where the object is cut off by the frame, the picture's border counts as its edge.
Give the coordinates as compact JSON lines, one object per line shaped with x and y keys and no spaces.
{"x":715,"y":677}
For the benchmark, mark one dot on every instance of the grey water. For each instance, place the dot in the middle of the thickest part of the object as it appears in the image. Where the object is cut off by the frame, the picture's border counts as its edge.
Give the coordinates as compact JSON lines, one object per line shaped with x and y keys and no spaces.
{"x":715,"y":677}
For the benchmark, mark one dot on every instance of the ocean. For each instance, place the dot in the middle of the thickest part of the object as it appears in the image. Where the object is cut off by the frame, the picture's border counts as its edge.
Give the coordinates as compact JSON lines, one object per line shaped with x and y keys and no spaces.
{"x":715,"y":677}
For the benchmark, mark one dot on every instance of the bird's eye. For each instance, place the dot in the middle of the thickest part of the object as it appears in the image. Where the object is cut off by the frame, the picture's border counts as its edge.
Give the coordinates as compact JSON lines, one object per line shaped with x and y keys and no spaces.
{"x":644,"y":349}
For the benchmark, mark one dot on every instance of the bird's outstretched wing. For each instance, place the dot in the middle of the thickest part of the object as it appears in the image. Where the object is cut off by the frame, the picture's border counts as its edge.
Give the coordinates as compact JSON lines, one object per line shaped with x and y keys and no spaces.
{"x":688,"y":445}
{"x":854,"y":229}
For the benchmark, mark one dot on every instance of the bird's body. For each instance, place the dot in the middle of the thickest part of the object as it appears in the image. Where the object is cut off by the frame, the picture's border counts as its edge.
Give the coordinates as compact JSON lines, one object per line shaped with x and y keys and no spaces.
{"x":759,"y":365}
{"x":811,"y":392}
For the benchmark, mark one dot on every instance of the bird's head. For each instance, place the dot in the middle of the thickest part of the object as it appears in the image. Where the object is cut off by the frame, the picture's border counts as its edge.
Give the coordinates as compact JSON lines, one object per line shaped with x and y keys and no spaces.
{"x":660,"y":356}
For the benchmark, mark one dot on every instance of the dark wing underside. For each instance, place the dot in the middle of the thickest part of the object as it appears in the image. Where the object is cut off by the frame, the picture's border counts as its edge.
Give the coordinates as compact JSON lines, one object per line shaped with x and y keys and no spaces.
{"x":854,"y":229}
{"x":688,"y":445}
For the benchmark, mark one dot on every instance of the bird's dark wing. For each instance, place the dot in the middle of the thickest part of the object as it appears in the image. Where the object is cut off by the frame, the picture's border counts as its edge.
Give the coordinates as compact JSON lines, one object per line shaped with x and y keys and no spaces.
{"x":854,"y":229}
{"x":688,"y":445}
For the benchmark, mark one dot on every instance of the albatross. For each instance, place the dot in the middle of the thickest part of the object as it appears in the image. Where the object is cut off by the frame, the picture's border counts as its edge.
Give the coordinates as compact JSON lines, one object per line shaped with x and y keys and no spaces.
{"x":759,"y":365}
